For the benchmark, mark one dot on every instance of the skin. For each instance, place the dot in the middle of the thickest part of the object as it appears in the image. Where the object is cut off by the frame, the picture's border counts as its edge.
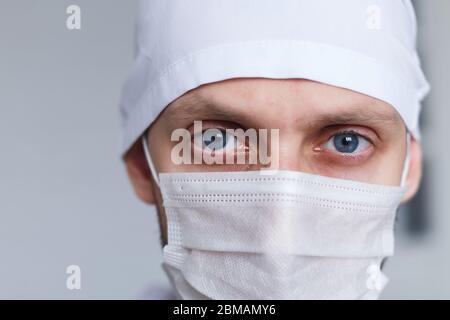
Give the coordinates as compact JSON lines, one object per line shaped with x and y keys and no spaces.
{"x":307,"y":113}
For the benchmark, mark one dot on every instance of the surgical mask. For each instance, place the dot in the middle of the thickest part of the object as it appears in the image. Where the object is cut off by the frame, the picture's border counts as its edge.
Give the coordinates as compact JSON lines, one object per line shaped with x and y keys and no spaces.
{"x":281,"y":235}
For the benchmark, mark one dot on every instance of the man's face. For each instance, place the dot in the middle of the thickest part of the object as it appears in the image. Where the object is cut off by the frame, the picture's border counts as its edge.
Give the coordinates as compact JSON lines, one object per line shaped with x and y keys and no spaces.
{"x":323,"y":130}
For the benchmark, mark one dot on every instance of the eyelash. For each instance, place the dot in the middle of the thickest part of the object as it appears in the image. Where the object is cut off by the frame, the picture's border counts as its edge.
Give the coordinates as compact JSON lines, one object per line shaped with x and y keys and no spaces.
{"x":351,"y":131}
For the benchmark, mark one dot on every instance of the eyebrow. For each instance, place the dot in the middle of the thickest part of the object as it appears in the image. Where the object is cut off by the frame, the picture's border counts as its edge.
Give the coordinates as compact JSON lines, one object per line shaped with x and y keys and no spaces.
{"x":196,"y":107}
{"x":371,"y":114}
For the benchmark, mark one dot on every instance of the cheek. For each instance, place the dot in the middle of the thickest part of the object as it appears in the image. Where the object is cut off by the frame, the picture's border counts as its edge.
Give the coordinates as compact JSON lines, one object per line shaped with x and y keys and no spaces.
{"x":163,"y":159}
{"x":390,"y":165}
{"x":389,"y":169}
{"x":383,"y":169}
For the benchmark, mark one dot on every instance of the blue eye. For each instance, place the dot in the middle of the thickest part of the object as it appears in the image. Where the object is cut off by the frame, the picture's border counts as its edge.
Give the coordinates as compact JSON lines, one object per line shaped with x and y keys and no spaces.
{"x":215,"y":139}
{"x":347,"y":142}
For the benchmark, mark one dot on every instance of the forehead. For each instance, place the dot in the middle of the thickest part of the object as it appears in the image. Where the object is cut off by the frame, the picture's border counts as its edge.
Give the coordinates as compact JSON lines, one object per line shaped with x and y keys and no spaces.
{"x":281,"y":101}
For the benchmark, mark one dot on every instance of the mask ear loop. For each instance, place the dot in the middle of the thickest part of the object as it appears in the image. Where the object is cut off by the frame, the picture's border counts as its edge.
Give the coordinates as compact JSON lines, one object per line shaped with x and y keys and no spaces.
{"x":149,"y":160}
{"x":407,"y":160}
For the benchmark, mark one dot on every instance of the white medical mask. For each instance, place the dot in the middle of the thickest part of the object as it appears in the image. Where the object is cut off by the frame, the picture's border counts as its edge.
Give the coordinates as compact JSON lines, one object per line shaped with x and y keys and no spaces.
{"x":286,"y":235}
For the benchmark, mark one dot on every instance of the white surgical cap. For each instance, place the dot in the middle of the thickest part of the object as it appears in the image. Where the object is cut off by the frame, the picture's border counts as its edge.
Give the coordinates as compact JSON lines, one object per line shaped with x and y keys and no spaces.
{"x":364,"y":45}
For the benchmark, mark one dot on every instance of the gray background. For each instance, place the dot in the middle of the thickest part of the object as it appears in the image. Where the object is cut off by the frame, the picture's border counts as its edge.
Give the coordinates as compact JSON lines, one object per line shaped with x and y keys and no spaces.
{"x":64,"y":194}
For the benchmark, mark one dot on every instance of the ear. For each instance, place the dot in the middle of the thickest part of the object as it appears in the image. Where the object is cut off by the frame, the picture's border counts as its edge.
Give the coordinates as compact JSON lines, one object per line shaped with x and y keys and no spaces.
{"x":139,"y":173}
{"x":415,"y":170}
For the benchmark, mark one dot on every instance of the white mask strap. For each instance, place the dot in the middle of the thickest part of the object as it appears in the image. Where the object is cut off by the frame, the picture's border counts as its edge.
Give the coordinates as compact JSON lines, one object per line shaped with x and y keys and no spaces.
{"x":149,"y":160}
{"x":407,"y":160}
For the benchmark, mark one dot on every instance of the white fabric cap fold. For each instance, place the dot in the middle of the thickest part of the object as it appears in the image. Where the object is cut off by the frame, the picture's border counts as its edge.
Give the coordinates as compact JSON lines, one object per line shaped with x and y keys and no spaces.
{"x":363,"y":45}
